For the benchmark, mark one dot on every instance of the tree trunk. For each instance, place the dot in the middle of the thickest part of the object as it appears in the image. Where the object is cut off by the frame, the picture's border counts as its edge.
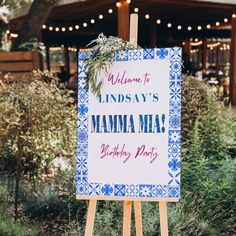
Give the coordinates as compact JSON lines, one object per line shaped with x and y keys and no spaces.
{"x":34,"y":20}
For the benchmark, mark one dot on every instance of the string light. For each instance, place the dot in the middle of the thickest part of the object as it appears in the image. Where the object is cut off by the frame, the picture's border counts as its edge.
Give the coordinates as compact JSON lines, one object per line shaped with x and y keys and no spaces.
{"x":13,"y":35}
{"x":71,"y":49}
{"x":194,"y":50}
{"x":195,"y":44}
{"x":55,"y":48}
{"x":118,"y":4}
{"x":213,"y":45}
{"x":183,"y":43}
{"x":136,"y":10}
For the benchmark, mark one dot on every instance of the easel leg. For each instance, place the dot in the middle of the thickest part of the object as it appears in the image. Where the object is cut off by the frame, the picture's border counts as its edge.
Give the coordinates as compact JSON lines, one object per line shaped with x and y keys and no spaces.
{"x":138,"y":218}
{"x":90,"y":217}
{"x":127,"y":218}
{"x":163,"y":218}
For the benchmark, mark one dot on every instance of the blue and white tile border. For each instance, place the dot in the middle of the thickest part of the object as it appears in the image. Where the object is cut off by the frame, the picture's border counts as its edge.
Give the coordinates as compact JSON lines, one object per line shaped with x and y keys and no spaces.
{"x":121,"y":191}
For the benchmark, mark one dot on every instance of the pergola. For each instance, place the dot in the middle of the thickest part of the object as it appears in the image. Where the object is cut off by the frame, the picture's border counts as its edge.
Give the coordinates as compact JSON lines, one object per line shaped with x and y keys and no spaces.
{"x":162,"y":23}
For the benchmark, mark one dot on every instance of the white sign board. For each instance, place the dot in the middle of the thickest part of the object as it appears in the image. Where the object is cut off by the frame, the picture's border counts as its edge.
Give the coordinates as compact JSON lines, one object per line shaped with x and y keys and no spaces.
{"x":129,"y":137}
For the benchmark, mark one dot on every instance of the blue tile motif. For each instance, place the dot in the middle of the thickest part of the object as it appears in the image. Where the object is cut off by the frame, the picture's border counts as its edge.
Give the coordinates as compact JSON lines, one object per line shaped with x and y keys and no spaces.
{"x":172,"y":188}
{"x":107,"y":190}
{"x":122,"y":56}
{"x":120,"y":190}
{"x":162,"y":53}
{"x":145,"y":190}
{"x":148,"y":54}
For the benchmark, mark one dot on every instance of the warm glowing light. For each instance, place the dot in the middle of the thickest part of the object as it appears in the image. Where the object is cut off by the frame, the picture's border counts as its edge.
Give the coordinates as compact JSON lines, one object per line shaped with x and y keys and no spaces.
{"x":158,"y":21}
{"x":147,"y":16}
{"x":128,"y":1}
{"x":189,"y":28}
{"x":118,"y":4}
{"x":110,"y":11}
{"x":169,"y":25}
{"x":100,"y":17}
{"x":77,"y":26}
{"x":57,"y":29}
{"x":85,"y":24}
{"x":63,"y":29}
{"x":199,"y":27}
{"x":70,"y":28}
{"x":183,"y":43}
{"x":196,"y":40}
{"x":217,"y":23}
{"x":226,"y":20}
{"x":50,"y":28}
{"x":208,"y":26}
{"x":44,"y":26}
{"x":136,"y":9}
{"x":179,"y":27}
{"x":13,"y":35}
{"x":92,"y":21}
{"x":234,"y":15}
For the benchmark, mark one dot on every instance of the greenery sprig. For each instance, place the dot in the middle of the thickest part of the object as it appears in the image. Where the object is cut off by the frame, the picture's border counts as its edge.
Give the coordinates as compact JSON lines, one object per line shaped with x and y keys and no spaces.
{"x":101,"y":58}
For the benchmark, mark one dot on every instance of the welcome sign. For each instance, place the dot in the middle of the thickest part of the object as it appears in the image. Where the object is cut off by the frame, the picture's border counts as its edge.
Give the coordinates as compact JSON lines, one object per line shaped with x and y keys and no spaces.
{"x":129,"y":137}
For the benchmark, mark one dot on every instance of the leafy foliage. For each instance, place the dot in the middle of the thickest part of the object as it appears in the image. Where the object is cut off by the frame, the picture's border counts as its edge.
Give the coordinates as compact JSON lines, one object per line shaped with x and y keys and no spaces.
{"x":101,"y":58}
{"x":39,"y":114}
{"x":37,"y":124}
{"x":33,"y":45}
{"x":10,"y":228}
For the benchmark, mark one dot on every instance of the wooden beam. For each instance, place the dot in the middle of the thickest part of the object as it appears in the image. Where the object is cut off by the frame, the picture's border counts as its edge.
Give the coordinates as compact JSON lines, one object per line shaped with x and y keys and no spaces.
{"x":67,"y":60}
{"x":153,"y":34}
{"x":233,"y":63}
{"x":204,"y":55}
{"x":48,"y":57}
{"x":123,"y":20}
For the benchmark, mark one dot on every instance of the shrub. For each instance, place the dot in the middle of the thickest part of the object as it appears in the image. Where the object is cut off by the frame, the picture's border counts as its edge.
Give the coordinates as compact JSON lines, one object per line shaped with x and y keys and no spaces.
{"x":10,"y":228}
{"x":37,"y":124}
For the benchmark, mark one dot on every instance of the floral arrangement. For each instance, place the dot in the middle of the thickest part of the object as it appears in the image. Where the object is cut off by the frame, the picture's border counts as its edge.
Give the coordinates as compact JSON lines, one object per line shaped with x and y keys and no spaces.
{"x":101,"y":58}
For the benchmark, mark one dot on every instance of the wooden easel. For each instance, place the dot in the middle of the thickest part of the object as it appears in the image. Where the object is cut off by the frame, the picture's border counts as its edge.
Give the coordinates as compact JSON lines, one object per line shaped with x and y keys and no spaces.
{"x":128,"y":204}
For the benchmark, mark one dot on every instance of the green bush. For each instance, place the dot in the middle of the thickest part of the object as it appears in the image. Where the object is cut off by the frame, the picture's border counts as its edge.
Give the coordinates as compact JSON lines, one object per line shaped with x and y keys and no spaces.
{"x":9,"y":228}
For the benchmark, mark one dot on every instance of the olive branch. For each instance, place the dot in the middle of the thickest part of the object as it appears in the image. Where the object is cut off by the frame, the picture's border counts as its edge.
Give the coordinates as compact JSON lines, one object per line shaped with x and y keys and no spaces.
{"x":102,"y":57}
